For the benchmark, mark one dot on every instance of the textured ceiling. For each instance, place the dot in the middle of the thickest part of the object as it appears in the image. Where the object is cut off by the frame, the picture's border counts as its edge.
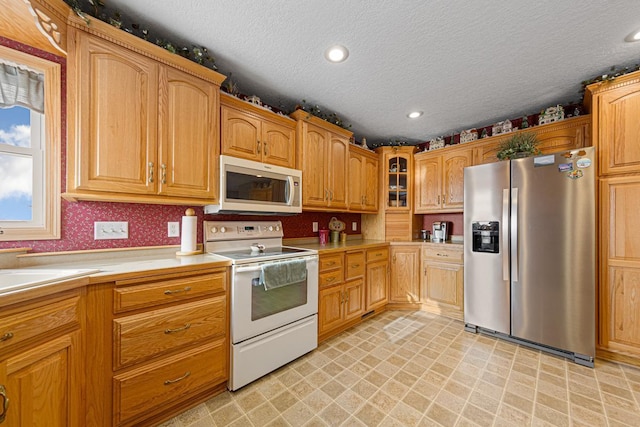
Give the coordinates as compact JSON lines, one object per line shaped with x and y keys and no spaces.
{"x":464,"y":63}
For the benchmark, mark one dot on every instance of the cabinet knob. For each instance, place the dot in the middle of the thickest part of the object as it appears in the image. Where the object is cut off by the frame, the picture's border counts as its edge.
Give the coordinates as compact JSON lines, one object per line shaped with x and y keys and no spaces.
{"x":5,"y":403}
{"x":6,"y":336}
{"x":265,"y":150}
{"x":257,"y":147}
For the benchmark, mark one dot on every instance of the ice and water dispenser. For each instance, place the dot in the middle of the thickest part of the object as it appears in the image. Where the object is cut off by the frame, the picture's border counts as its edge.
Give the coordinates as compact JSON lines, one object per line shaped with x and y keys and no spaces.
{"x":486,"y":237}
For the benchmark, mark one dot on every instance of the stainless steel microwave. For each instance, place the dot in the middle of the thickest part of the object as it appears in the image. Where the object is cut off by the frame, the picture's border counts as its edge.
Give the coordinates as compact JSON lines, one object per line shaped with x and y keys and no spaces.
{"x":260,"y":188}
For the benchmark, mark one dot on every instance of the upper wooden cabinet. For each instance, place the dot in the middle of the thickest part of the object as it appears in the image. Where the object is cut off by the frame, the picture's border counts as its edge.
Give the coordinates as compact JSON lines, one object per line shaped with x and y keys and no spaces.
{"x":254,"y":133}
{"x":363,"y":180}
{"x":567,"y":134}
{"x":396,"y":220}
{"x":397,"y":173}
{"x":323,"y":155}
{"x":616,"y":124}
{"x":439,"y":180}
{"x":143,"y":127}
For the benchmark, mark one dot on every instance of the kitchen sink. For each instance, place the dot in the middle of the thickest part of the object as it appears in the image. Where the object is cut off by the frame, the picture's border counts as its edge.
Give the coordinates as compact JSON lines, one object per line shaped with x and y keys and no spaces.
{"x":14,"y":279}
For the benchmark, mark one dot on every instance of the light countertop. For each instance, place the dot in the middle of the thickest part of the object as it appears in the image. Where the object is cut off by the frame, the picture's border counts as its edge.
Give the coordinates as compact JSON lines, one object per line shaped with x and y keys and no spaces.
{"x":49,"y":274}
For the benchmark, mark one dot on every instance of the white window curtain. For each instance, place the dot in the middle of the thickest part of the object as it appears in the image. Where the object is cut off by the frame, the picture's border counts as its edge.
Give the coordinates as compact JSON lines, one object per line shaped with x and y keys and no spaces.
{"x":20,"y":86}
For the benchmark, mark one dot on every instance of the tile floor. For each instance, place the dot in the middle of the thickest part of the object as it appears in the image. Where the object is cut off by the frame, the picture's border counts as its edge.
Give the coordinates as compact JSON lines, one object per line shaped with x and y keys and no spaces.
{"x":418,"y":369}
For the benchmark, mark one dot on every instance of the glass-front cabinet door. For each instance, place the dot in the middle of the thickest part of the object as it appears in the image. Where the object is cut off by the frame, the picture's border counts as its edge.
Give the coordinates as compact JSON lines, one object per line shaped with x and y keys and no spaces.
{"x":398,"y":180}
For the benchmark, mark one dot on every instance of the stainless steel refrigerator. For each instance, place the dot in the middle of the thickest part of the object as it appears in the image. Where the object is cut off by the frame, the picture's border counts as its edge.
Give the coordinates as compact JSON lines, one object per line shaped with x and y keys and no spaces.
{"x":529,"y":252}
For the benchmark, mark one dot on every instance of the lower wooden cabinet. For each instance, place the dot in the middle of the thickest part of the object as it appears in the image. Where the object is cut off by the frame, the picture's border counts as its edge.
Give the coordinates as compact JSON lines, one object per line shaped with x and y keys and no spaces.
{"x":377,"y":278}
{"x":351,"y":283}
{"x":41,"y":365}
{"x":158,"y":345}
{"x":340,"y":304}
{"x":442,"y":280}
{"x":341,"y":298}
{"x":405,"y":276}
{"x":618,"y":332}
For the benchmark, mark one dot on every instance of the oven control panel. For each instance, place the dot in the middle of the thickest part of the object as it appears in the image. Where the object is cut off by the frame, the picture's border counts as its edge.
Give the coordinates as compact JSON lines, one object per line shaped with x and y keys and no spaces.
{"x":236,"y":230}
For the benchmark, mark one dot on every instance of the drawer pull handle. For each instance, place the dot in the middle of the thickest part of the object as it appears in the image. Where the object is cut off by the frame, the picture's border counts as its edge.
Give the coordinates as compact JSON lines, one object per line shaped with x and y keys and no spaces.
{"x":177,"y":291}
{"x":330,"y":279}
{"x":331,"y":263}
{"x":6,"y":336}
{"x":169,"y":382}
{"x":355,"y":265}
{"x":439,"y":254}
{"x":5,"y":403}
{"x":184,"y":328}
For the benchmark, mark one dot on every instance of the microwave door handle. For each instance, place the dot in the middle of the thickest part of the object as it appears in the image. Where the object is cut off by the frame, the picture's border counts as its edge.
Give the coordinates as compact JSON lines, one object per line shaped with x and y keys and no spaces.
{"x":289,"y":190}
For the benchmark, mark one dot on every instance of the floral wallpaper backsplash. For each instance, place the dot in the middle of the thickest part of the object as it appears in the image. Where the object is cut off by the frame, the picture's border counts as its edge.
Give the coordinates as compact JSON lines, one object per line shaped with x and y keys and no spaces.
{"x":148,"y":225}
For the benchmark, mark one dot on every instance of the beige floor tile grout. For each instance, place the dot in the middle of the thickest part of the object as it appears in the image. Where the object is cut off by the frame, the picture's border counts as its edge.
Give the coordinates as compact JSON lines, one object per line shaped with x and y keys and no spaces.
{"x":475,"y":372}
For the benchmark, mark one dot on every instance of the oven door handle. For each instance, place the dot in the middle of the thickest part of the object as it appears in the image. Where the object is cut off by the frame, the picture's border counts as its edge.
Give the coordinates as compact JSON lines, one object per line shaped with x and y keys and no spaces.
{"x":258,"y":267}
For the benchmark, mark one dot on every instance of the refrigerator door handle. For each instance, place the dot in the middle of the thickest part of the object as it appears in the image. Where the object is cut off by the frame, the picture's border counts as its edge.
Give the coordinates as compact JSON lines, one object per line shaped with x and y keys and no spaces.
{"x":514,"y":235}
{"x":505,"y":234}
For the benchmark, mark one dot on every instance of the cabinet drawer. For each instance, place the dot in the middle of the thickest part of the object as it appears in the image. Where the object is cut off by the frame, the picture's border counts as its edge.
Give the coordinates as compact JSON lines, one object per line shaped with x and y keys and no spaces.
{"x":443,"y":254}
{"x":143,"y":336}
{"x":153,"y":386}
{"x":330,"y":262}
{"x":354,"y":265}
{"x":330,"y":278}
{"x":146,"y":294}
{"x":37,"y":319}
{"x":378,"y":254}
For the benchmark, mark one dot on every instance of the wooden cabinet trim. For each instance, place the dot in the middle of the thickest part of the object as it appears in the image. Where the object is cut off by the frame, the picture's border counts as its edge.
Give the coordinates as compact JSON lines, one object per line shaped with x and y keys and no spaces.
{"x":143,"y":47}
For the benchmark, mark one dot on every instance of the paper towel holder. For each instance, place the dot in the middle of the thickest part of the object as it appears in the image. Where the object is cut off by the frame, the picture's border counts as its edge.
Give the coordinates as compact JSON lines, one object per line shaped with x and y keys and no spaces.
{"x":188,"y":235}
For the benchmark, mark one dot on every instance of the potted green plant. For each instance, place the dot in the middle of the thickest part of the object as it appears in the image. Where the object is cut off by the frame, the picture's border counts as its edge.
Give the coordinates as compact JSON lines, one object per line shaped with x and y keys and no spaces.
{"x":519,"y":145}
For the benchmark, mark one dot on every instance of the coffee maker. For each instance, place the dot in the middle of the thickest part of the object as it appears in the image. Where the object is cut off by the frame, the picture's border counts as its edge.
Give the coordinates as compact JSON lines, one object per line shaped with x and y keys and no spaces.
{"x":440,"y":231}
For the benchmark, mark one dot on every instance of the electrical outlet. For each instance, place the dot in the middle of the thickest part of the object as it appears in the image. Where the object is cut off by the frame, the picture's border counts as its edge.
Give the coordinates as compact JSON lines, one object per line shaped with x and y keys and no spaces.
{"x":103,"y":230}
{"x":354,"y":226}
{"x":173,"y":229}
{"x":315,"y":226}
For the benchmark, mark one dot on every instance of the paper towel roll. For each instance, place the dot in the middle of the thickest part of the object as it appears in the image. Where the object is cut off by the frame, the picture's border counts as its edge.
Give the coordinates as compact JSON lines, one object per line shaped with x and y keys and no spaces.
{"x":188,"y":238}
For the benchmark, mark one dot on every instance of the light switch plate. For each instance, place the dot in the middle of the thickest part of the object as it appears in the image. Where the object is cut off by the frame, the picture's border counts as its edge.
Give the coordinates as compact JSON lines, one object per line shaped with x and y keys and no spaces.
{"x":315,"y":226}
{"x":103,"y":230}
{"x":354,"y":226}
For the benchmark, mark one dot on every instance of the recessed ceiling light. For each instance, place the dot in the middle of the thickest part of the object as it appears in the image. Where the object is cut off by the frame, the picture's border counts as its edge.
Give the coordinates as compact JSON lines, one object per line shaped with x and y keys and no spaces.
{"x":633,"y":37}
{"x":336,"y":53}
{"x":414,"y":114}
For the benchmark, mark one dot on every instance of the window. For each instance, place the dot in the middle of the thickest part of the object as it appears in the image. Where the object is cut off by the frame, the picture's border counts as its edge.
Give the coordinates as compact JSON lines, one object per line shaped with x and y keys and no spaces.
{"x":29,"y":149}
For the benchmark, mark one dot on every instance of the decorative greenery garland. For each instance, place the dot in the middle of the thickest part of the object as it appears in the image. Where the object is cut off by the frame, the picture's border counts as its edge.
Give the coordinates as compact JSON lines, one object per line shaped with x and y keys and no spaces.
{"x":200,"y":55}
{"x":613,"y":73}
{"x":98,"y":10}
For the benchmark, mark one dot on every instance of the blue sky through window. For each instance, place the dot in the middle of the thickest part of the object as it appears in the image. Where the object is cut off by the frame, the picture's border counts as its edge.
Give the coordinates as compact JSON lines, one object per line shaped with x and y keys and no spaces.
{"x":16,"y":185}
